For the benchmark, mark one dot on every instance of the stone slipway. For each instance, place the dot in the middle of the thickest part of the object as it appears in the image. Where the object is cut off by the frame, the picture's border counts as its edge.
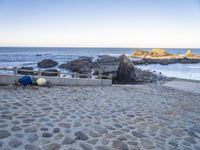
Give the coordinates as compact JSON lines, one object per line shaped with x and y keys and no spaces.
{"x":185,"y":85}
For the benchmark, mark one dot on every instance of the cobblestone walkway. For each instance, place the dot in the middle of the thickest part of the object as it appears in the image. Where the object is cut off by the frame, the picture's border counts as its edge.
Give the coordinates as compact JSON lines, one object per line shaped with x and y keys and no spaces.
{"x":101,"y":118}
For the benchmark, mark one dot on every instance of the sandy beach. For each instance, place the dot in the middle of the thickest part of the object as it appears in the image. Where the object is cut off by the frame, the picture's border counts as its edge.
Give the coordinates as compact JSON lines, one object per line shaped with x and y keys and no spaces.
{"x":104,"y":118}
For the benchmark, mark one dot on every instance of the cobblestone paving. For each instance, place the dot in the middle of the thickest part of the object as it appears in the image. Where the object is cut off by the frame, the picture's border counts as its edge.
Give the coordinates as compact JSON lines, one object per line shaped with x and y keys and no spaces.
{"x":101,"y":118}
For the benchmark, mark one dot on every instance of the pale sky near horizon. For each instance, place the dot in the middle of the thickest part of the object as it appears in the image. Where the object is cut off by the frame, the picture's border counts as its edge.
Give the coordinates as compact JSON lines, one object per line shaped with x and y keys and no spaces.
{"x":100,"y":23}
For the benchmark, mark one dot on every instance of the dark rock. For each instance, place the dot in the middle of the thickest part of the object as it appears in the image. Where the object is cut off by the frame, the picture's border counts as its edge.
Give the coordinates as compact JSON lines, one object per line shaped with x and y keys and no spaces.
{"x":53,"y":146}
{"x":31,"y":130}
{"x":106,"y":65}
{"x":47,"y":63}
{"x":15,"y":143}
{"x":3,"y":125}
{"x":130,"y":115}
{"x":100,"y":129}
{"x":126,"y":71}
{"x":9,"y":117}
{"x":4,"y":134}
{"x":32,"y":138}
{"x":31,"y":147}
{"x":16,"y":128}
{"x":166,"y":61}
{"x":44,"y":129}
{"x":117,"y":125}
{"x":46,"y":134}
{"x":1,"y":144}
{"x":145,"y":76}
{"x":93,"y":142}
{"x":189,"y":61}
{"x":120,"y":145}
{"x":19,"y":135}
{"x":50,"y":72}
{"x":81,"y":65}
{"x":147,"y":144}
{"x":68,"y":140}
{"x":29,"y":71}
{"x":64,"y":125}
{"x":102,"y":147}
{"x":2,"y":121}
{"x":85,"y":146}
{"x":81,"y":136}
{"x":28,"y":120}
{"x":173,"y":143}
{"x":138,"y":134}
{"x":161,"y":61}
{"x":56,"y":130}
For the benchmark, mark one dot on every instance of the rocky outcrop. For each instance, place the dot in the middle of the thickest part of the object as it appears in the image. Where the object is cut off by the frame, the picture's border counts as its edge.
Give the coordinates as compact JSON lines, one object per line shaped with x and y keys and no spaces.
{"x":47,"y":63}
{"x":81,"y":65}
{"x":106,"y":65}
{"x":166,"y":61}
{"x":126,"y":71}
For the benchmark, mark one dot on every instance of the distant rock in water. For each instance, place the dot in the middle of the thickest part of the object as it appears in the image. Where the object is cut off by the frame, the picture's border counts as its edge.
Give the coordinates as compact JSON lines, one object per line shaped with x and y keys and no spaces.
{"x":81,"y":65}
{"x":126,"y":71}
{"x":47,"y":63}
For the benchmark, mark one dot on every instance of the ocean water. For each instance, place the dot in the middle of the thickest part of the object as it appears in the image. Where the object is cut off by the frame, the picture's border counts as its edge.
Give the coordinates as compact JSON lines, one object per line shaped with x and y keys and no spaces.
{"x":16,"y":56}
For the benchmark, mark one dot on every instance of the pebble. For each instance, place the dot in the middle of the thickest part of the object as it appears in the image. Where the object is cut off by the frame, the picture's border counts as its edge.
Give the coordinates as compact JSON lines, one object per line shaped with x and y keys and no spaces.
{"x":4,"y":134}
{"x":100,"y":129}
{"x":47,"y":134}
{"x":81,"y":136}
{"x":31,"y":147}
{"x":68,"y":140}
{"x":53,"y":146}
{"x":102,"y":147}
{"x":56,"y":130}
{"x":14,"y":143}
{"x":16,"y":128}
{"x":120,"y":145}
{"x":85,"y":146}
{"x":31,"y":130}
{"x":32,"y":138}
{"x":138,"y":134}
{"x":9,"y":117}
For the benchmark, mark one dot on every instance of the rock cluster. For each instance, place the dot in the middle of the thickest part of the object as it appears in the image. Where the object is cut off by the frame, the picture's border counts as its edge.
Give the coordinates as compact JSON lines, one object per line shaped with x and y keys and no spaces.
{"x":121,"y":69}
{"x":81,"y":65}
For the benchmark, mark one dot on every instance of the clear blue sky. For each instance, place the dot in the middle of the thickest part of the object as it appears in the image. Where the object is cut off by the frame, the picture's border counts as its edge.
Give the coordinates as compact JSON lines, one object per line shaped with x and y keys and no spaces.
{"x":105,"y":23}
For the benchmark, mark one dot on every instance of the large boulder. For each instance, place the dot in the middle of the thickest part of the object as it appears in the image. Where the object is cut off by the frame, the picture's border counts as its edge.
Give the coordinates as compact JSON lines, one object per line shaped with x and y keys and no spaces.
{"x":106,"y":65}
{"x":47,"y":63}
{"x":81,"y":65}
{"x":126,"y":71}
